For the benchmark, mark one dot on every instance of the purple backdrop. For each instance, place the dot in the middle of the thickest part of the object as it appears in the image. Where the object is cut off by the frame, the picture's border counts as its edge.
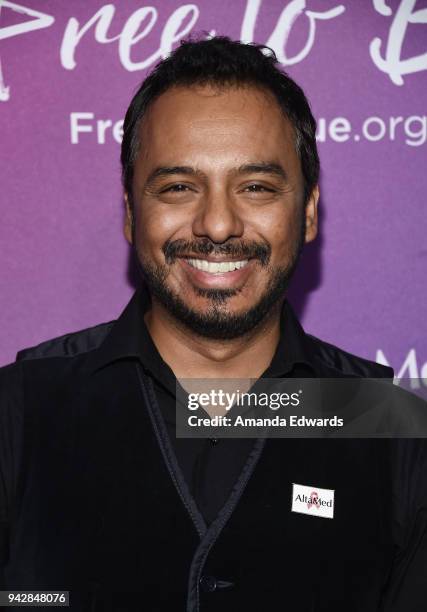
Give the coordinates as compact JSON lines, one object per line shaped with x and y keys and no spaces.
{"x":67,"y":73}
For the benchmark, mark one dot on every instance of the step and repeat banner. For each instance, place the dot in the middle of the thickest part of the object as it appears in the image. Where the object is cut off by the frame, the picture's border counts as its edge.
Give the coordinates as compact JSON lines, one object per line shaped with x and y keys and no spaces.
{"x":68,"y":69}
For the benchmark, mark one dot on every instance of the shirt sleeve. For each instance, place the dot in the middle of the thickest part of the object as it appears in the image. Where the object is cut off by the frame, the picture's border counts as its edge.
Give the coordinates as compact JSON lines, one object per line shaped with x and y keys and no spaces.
{"x":407,"y":584}
{"x":11,"y":402}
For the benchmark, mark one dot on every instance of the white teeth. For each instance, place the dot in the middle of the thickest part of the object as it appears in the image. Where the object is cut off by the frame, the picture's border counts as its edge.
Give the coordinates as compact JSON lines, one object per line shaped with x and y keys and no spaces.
{"x":214,"y":267}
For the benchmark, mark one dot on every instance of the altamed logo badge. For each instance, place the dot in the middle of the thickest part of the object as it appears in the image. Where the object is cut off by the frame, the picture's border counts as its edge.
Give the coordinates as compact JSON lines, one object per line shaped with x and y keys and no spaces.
{"x":313,"y":500}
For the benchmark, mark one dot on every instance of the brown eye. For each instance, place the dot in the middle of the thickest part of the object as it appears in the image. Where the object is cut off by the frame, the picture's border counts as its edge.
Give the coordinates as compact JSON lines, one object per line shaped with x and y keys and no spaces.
{"x":258,"y":189}
{"x":178,"y":188}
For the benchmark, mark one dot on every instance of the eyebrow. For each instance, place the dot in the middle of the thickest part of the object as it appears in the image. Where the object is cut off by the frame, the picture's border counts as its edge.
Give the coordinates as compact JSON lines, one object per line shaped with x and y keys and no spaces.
{"x":252,"y":168}
{"x":263,"y":168}
{"x":169,"y":170}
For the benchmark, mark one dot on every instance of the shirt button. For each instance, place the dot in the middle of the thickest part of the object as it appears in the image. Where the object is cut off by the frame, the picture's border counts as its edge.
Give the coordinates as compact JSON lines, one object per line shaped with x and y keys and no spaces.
{"x":208,"y":584}
{"x":214,"y":441}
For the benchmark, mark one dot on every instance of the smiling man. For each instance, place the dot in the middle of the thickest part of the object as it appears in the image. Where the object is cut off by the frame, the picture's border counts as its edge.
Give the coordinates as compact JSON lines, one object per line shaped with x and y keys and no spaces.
{"x":98,"y":496}
{"x":218,"y":211}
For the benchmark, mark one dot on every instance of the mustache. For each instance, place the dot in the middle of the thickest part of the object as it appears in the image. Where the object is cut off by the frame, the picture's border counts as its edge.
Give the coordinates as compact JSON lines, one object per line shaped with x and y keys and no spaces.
{"x":236,"y":248}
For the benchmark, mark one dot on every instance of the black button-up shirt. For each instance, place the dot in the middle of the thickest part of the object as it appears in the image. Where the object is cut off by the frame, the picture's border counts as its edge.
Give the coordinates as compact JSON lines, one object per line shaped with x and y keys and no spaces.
{"x":211,"y":466}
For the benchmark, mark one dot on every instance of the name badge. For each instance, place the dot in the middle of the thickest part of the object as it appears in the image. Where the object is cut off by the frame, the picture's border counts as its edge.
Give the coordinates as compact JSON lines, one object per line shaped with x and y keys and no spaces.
{"x":313,"y":501}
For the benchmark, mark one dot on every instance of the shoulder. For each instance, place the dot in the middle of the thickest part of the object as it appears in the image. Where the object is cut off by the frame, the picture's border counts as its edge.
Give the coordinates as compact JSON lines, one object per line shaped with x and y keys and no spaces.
{"x":342,"y":363}
{"x":50,"y":364}
{"x":42,"y":374}
{"x":68,"y":345}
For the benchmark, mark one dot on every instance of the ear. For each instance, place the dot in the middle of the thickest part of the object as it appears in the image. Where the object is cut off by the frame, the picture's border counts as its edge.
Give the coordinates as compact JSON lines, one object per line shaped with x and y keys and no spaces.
{"x":311,"y":215}
{"x":128,"y":226}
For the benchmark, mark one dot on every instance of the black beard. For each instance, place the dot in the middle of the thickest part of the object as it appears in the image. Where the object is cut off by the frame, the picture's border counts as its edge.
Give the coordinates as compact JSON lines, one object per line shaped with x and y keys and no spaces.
{"x":215,"y":322}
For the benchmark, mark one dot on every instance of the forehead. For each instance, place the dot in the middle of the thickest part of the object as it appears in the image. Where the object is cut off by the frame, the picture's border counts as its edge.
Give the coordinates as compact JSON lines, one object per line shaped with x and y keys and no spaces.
{"x":208,"y":122}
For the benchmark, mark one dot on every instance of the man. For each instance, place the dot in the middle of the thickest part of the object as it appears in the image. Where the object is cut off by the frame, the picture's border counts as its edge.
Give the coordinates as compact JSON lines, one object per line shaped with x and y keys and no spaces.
{"x":99,"y":496}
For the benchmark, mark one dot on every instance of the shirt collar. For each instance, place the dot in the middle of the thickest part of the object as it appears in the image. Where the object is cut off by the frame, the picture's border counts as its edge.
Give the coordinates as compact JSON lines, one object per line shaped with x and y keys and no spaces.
{"x":129,"y":338}
{"x":294,"y":353}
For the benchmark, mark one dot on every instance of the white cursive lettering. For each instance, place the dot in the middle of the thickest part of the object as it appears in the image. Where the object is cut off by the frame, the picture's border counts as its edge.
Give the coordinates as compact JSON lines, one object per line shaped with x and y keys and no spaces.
{"x":391,"y":62}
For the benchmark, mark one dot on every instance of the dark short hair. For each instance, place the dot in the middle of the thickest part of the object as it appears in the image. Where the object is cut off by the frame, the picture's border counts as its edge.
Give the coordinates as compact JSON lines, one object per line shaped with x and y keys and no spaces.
{"x":222,"y":61}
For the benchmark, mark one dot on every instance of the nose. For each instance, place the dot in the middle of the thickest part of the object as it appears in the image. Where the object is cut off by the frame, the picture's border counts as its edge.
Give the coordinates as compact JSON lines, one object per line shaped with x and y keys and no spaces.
{"x":218,"y":217}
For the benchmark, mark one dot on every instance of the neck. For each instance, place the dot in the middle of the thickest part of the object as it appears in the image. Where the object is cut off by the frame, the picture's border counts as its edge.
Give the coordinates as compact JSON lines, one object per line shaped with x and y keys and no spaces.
{"x":193,"y":356}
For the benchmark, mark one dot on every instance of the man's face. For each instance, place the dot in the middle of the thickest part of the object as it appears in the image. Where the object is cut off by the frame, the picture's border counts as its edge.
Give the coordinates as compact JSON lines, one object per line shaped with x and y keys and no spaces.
{"x":219,"y":216}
